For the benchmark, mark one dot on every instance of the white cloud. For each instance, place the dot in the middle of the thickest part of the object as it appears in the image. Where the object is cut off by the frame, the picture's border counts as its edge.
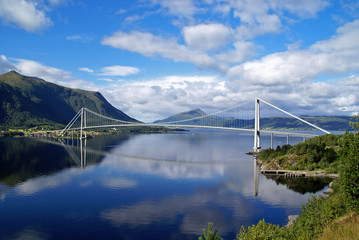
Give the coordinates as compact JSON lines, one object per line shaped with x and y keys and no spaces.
{"x":288,"y":78}
{"x":284,"y":78}
{"x":118,"y":70}
{"x":165,"y":96}
{"x":256,"y":18}
{"x":120,"y":11}
{"x":334,"y":56}
{"x":85,"y":69}
{"x":278,"y":68}
{"x":206,"y":36}
{"x":24,"y":14}
{"x":344,"y":40}
{"x":257,"y":25}
{"x":264,"y":16}
{"x":5,"y":64}
{"x":214,"y":46}
{"x":80,"y":38}
{"x":341,"y":50}
{"x":36,"y":69}
{"x":106,"y":79}
{"x":57,"y":2}
{"x":242,"y":50}
{"x":179,"y":8}
{"x":352,"y":81}
{"x":47,"y":73}
{"x":303,"y":8}
{"x":150,"y":45}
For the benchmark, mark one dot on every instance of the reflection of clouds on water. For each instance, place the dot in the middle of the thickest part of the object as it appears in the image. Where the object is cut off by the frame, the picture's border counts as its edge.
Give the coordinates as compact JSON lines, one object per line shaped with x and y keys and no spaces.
{"x":4,"y":189}
{"x":182,"y":147}
{"x":117,"y":183}
{"x":30,"y":233}
{"x":279,"y":195}
{"x":197,"y":209}
{"x":167,"y":169}
{"x":224,"y":204}
{"x":174,"y":156}
{"x":35,"y":185}
{"x":86,"y":183}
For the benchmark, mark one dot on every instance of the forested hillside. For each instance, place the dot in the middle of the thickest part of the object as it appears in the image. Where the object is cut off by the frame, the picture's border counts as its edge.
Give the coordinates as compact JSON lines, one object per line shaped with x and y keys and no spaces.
{"x":30,"y":101}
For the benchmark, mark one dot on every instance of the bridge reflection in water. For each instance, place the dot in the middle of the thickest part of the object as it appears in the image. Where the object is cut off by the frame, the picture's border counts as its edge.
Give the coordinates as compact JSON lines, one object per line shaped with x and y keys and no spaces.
{"x":82,"y":156}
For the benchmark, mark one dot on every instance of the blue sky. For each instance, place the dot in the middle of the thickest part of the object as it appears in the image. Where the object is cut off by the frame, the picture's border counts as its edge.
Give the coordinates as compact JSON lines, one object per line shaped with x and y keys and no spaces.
{"x":155,"y":58}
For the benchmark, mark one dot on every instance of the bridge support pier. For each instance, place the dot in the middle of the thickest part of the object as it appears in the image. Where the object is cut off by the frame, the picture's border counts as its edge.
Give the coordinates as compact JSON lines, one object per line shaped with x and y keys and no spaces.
{"x":82,"y":122}
{"x":257,"y":138}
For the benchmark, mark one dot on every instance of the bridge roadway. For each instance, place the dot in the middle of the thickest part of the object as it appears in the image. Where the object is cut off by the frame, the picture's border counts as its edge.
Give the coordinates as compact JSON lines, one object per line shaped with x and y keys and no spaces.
{"x":195,"y":126}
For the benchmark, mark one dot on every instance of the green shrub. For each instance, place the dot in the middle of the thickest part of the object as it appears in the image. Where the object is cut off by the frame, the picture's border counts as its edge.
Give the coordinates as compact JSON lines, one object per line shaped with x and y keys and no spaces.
{"x":350,"y":170}
{"x":315,"y":215}
{"x":311,"y":221}
{"x":261,"y":231}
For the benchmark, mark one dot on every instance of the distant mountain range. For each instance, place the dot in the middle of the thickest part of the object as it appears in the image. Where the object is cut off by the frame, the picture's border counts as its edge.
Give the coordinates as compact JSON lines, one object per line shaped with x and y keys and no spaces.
{"x":330,"y":123}
{"x":30,"y":101}
{"x":183,"y":116}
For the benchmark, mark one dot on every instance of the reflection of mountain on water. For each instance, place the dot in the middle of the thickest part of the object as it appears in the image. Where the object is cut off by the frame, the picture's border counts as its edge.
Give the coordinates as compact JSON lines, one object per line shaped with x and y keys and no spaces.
{"x":302,"y":185}
{"x":23,"y":158}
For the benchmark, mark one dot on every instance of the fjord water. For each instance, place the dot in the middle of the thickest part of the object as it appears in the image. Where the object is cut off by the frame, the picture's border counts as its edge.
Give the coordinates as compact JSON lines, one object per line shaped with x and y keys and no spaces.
{"x":143,"y":186}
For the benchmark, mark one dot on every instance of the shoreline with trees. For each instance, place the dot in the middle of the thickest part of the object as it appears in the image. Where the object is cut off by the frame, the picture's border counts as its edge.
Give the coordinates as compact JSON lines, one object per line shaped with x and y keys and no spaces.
{"x":334,"y":216}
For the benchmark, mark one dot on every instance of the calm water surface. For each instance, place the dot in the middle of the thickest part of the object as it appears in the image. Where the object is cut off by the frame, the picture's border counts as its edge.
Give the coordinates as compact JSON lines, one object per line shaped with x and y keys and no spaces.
{"x":150,"y":186}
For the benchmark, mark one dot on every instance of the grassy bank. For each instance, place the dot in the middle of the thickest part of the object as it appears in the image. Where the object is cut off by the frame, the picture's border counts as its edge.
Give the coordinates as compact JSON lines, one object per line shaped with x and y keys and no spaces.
{"x":343,"y":228}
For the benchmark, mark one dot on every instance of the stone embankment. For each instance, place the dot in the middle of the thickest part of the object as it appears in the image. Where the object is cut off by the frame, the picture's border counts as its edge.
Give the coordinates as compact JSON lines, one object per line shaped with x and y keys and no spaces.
{"x":287,"y":173}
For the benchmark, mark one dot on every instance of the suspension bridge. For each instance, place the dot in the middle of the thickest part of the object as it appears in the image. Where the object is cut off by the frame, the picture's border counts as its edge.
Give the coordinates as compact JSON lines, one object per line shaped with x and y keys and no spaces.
{"x":242,"y":117}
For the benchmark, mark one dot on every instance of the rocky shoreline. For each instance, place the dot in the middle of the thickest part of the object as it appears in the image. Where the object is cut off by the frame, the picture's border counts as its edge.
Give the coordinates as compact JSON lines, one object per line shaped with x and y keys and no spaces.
{"x":305,"y":174}
{"x":292,"y":218}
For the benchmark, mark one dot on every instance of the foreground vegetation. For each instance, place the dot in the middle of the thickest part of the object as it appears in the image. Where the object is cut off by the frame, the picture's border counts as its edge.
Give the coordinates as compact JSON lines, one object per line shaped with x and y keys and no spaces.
{"x":333,"y":217}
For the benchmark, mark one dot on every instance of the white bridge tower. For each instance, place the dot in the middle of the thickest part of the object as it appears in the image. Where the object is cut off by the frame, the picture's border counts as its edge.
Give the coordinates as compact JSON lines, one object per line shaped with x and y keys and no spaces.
{"x":257,"y":136}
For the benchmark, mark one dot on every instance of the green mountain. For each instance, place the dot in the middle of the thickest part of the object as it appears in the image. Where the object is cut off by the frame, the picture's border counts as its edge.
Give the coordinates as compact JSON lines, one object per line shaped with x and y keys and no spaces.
{"x":30,"y":101}
{"x":330,"y":123}
{"x":184,"y":115}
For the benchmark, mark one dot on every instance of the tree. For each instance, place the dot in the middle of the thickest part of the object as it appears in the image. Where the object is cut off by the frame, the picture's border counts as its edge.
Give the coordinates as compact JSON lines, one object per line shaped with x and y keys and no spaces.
{"x":350,"y":165}
{"x":355,"y":123}
{"x":209,"y":235}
